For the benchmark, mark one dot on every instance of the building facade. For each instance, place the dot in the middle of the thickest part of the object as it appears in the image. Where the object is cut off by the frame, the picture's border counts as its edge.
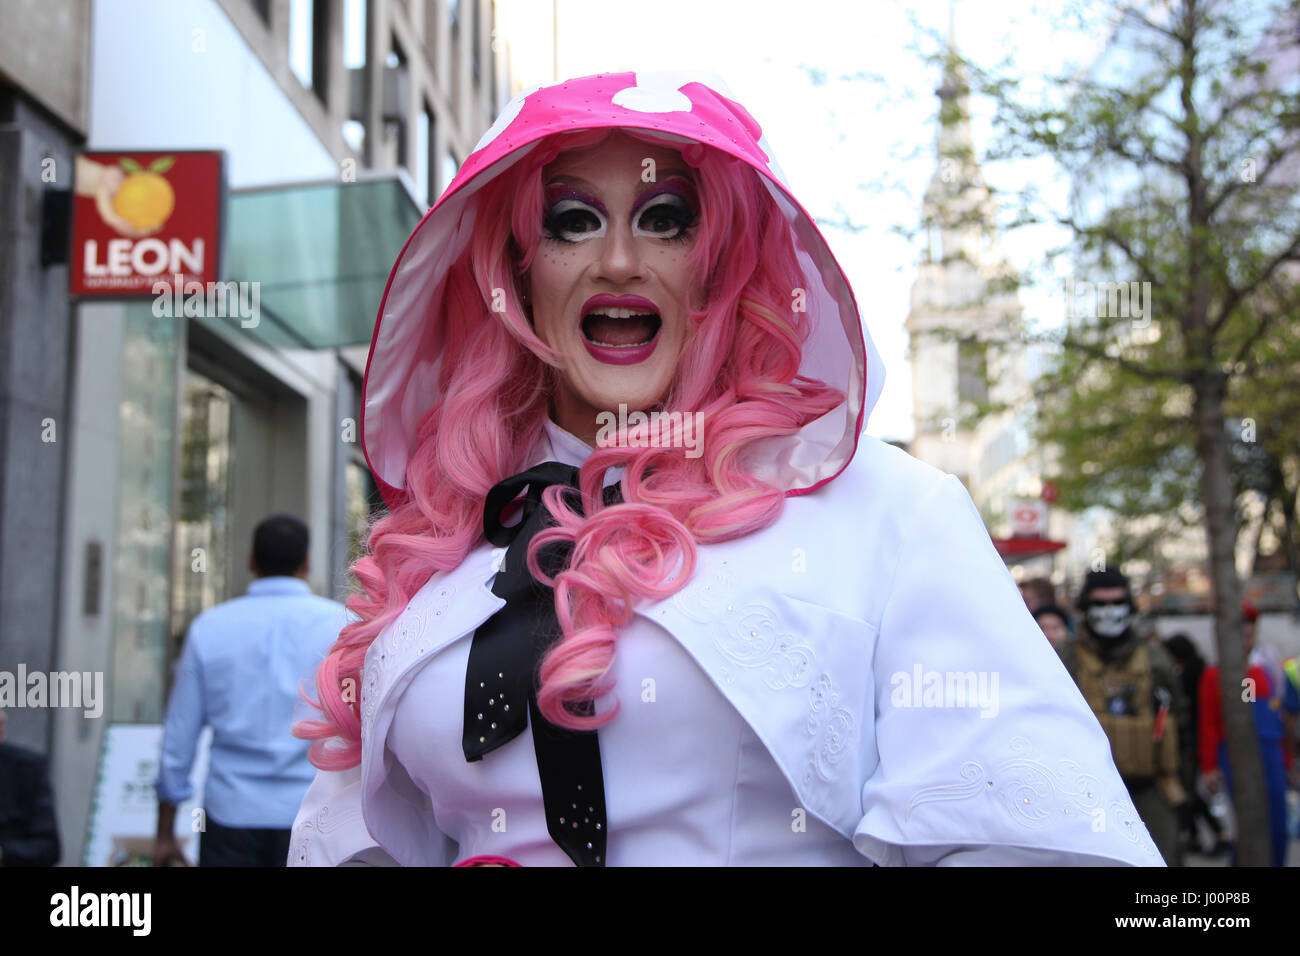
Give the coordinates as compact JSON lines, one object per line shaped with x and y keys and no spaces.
{"x":140,"y":450}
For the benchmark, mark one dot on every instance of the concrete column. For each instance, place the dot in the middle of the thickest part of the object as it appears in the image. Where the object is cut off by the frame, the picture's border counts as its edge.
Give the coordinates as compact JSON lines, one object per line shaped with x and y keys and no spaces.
{"x":36,"y":155}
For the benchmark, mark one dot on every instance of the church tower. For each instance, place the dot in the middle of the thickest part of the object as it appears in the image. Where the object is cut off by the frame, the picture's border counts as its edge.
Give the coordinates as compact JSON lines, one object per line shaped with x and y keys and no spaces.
{"x":956,"y":305}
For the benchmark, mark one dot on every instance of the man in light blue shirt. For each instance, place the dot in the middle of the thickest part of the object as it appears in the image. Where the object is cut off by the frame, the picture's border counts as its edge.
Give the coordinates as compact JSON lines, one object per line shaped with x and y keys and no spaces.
{"x":239,"y":672}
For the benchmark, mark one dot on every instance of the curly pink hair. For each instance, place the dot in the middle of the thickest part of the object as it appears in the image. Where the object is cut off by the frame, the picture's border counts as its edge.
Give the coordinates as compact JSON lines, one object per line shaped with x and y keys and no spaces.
{"x":740,"y":368}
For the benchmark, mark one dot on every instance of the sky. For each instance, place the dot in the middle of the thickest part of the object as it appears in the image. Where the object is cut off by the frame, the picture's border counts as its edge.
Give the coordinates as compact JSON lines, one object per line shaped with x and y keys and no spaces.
{"x":846,"y":100}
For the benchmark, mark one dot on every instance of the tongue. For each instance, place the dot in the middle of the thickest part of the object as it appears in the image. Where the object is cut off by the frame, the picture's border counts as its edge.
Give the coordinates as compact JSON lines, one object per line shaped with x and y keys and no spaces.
{"x":603,"y":330}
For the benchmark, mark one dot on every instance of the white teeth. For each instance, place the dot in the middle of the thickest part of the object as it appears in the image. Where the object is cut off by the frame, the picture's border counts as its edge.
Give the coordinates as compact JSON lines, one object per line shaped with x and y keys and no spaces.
{"x":619,"y":313}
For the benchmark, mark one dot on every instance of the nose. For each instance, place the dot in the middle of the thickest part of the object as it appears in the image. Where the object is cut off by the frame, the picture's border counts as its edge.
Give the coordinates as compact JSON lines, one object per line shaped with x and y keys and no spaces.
{"x":620,"y":259}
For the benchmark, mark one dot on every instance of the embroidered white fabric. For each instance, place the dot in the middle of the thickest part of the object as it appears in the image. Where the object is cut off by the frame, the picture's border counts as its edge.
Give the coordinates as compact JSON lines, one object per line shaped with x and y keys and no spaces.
{"x":758,"y":724}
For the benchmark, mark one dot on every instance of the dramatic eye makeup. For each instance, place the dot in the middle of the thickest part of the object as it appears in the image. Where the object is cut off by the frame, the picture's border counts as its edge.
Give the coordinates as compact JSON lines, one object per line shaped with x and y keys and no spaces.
{"x":573,"y":216}
{"x":666,"y":211}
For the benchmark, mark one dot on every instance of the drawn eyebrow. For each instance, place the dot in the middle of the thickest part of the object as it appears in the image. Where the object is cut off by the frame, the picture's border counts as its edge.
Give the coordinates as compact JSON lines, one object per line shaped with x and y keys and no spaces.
{"x":556,"y":191}
{"x":584,"y":184}
{"x":650,"y":192}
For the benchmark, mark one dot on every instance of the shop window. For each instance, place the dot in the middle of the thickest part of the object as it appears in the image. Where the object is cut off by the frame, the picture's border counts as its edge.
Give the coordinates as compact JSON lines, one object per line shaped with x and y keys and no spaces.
{"x":202,"y":528}
{"x":363,"y":503}
{"x":143,"y":547}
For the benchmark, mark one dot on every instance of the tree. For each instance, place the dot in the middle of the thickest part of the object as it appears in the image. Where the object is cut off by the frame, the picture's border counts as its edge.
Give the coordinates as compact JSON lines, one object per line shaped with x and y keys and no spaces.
{"x":1183,"y":147}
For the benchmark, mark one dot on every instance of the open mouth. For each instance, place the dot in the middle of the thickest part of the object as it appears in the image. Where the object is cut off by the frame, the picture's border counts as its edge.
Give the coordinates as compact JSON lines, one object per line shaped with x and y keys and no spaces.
{"x":621,"y":328}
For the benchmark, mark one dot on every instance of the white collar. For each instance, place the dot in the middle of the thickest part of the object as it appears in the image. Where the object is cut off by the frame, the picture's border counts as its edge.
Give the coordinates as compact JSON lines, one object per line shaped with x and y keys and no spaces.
{"x":565,"y":447}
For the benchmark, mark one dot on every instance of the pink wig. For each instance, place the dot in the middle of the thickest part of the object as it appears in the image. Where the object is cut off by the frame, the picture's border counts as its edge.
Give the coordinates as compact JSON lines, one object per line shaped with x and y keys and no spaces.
{"x":740,"y":368}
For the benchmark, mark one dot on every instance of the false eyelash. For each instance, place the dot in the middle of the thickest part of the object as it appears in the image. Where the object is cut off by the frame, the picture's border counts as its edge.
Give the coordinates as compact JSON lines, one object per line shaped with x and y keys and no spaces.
{"x":551,"y":223}
{"x":688,"y":221}
{"x":551,"y":230}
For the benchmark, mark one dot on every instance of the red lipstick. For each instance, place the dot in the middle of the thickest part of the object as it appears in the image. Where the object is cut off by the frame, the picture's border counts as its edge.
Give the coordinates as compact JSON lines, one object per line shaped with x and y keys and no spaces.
{"x":607,"y":301}
{"x":611,"y":309}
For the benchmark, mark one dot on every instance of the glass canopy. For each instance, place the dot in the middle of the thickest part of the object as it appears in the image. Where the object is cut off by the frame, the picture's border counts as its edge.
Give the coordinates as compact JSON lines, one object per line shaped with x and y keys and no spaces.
{"x":321,"y":253}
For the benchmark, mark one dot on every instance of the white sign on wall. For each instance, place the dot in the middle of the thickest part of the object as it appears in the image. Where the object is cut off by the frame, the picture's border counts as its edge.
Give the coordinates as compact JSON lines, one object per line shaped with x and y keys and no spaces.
{"x":124,"y":816}
{"x":1028,"y":518}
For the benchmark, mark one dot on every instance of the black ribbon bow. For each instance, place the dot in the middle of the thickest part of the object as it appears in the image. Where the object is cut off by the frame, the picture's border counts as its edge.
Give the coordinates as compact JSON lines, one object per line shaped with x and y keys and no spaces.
{"x":501,"y":678}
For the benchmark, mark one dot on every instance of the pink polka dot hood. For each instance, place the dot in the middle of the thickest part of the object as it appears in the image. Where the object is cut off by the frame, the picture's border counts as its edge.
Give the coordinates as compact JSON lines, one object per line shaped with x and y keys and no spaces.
{"x":402,"y":370}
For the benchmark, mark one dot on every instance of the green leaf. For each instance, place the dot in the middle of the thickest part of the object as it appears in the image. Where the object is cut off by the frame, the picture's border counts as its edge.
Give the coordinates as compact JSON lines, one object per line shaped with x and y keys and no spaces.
{"x":130,"y":165}
{"x":162,"y":164}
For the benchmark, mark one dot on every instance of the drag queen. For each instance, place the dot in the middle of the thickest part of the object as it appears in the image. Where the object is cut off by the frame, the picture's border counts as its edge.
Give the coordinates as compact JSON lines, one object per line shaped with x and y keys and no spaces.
{"x":646,"y":594}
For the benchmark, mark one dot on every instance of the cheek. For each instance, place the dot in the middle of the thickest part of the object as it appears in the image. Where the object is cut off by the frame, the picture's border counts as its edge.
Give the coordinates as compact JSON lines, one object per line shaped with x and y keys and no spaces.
{"x":547,"y":277}
{"x":674,"y":257}
{"x":555,"y":269}
{"x":673,"y":264}
{"x":547,"y":264}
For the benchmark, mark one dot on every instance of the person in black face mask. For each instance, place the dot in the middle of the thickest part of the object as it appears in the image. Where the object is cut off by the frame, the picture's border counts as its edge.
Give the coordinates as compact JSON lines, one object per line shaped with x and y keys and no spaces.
{"x":1132,"y":687}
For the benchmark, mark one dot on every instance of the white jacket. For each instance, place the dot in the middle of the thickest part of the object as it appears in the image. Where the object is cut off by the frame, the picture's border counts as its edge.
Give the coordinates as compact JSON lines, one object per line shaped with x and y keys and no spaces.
{"x":816,"y":630}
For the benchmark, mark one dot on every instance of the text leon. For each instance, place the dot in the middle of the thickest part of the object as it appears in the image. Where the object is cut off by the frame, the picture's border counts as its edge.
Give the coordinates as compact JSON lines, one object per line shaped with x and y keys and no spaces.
{"x":144,"y":257}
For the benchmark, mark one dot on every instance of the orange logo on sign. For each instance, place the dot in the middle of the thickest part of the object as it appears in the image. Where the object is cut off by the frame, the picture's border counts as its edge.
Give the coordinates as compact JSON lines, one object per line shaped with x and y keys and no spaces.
{"x":140,"y":202}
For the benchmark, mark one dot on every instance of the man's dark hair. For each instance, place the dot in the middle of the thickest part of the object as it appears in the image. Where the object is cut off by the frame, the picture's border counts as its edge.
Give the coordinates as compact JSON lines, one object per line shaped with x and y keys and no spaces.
{"x":1184,"y":651}
{"x":279,"y":546}
{"x":1057,"y":610}
{"x":1042,"y":588}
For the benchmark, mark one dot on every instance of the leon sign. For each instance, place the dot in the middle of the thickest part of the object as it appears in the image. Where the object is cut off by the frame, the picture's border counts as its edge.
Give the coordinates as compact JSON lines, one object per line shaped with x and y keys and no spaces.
{"x":143,"y":217}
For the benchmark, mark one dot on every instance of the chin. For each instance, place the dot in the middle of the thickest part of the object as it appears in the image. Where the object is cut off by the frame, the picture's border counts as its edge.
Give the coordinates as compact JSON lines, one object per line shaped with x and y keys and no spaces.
{"x":643,"y":395}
